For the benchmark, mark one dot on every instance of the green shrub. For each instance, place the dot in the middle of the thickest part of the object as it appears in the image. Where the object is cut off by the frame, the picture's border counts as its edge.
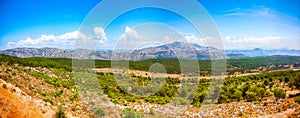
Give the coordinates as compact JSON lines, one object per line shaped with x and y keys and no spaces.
{"x":261,"y":92}
{"x":75,"y":96}
{"x":251,"y":96}
{"x":57,"y":93}
{"x":241,"y":114}
{"x":151,"y":112}
{"x":48,"y":100}
{"x":4,"y":86}
{"x":298,"y":99}
{"x":208,"y":101}
{"x":238,"y":95}
{"x":279,"y":109}
{"x":130,"y":113}
{"x":60,"y":112}
{"x":265,"y":104}
{"x":228,"y":101}
{"x":99,"y":111}
{"x":115,"y":101}
{"x":268,"y":94}
{"x":279,"y":93}
{"x":44,"y":94}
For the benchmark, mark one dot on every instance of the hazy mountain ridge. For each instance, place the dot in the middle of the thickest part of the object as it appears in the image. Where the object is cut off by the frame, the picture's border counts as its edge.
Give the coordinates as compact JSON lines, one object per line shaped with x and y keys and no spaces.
{"x":171,"y":50}
{"x":260,"y":52}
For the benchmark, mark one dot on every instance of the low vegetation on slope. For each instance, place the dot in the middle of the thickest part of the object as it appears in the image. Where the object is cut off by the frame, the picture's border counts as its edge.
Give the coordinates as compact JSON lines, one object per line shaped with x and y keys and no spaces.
{"x":171,"y":65}
{"x":44,"y":80}
{"x":247,"y":88}
{"x":52,"y":81}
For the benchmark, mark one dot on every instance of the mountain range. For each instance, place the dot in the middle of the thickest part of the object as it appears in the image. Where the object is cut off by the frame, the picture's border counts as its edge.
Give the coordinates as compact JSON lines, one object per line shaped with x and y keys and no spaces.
{"x":171,"y":50}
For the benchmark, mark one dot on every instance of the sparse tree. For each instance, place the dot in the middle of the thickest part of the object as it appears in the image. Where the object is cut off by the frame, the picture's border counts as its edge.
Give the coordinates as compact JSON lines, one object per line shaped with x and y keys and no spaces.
{"x":279,"y":93}
{"x":261,"y":92}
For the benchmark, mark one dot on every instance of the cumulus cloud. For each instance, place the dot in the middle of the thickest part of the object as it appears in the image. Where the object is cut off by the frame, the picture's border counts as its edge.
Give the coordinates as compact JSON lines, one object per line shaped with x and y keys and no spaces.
{"x":187,"y":37}
{"x":130,"y":34}
{"x":129,"y":40}
{"x":99,"y":32}
{"x":194,"y":39}
{"x":65,"y":41}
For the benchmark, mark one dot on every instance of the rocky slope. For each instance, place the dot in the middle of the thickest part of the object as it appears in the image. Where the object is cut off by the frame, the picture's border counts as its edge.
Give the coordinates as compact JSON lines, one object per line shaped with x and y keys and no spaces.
{"x":172,"y":50}
{"x":260,"y":52}
{"x":25,"y":91}
{"x":14,"y":103}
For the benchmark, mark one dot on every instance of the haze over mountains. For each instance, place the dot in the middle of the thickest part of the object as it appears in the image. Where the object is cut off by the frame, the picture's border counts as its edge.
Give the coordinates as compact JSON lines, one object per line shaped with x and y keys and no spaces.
{"x":171,"y":50}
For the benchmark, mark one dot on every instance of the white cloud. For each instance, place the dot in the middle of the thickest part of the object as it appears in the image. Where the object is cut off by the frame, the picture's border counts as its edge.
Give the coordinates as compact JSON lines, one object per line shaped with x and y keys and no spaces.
{"x":194,"y":39}
{"x":256,"y":11}
{"x":187,"y":37}
{"x":129,"y":40}
{"x":130,"y":34}
{"x":100,"y":34}
{"x":64,"y":41}
{"x":251,"y":42}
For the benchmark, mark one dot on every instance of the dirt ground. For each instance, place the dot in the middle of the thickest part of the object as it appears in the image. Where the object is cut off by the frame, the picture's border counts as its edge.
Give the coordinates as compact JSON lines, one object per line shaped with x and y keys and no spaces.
{"x":16,"y":104}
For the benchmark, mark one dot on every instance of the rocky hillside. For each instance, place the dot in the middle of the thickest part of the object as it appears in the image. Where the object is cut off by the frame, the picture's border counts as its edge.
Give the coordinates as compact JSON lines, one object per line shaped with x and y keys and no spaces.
{"x":40,"y":90}
{"x":260,"y":52}
{"x":17,"y":104}
{"x":37,"y":87}
{"x":172,"y":50}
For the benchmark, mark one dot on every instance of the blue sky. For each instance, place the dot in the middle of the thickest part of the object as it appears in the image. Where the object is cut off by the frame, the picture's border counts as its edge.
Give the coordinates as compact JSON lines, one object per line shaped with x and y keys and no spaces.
{"x":243,"y":24}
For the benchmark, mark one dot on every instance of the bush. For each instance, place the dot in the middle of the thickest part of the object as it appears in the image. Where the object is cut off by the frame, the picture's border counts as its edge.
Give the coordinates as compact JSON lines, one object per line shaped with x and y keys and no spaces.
{"x":151,"y":112}
{"x":48,"y":100}
{"x":261,"y":92}
{"x":44,"y":94}
{"x":265,"y":104}
{"x":298,"y":99}
{"x":279,"y":93}
{"x":115,"y":101}
{"x":60,"y":113}
{"x":268,"y":94}
{"x":130,"y":113}
{"x":57,"y":93}
{"x":241,"y":114}
{"x":3,"y":85}
{"x":228,"y":101}
{"x":251,"y":96}
{"x":75,"y":96}
{"x":99,"y":111}
{"x":297,"y":81}
{"x":208,"y":101}
{"x":278,"y":109}
{"x":238,"y":94}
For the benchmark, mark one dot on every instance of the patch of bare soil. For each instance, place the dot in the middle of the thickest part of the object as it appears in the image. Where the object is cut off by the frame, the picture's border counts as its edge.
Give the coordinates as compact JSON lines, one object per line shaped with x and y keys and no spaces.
{"x":16,"y":104}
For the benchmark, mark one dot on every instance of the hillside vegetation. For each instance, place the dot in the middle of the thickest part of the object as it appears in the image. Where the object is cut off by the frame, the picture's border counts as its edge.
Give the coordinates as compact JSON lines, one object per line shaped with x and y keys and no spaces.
{"x":171,"y":65}
{"x":52,"y":81}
